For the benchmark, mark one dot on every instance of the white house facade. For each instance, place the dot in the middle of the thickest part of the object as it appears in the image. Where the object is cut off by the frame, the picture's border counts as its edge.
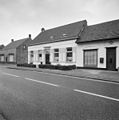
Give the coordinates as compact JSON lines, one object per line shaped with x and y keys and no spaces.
{"x":98,"y":47}
{"x":56,"y":46}
{"x":63,"y":53}
{"x":102,"y":54}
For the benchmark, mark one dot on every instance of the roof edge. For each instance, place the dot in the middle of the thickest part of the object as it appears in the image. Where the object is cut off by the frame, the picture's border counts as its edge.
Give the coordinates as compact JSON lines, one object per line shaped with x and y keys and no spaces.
{"x":78,"y":42}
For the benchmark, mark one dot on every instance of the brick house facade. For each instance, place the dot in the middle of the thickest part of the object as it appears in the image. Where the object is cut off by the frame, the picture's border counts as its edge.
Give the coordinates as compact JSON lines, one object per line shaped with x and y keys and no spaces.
{"x":15,"y":52}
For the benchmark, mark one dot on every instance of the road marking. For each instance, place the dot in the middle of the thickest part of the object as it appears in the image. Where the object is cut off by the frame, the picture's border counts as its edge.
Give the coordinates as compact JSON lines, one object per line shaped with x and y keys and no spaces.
{"x":93,"y":94}
{"x":38,"y":81}
{"x":55,"y":85}
{"x":87,"y":79}
{"x":10,"y":74}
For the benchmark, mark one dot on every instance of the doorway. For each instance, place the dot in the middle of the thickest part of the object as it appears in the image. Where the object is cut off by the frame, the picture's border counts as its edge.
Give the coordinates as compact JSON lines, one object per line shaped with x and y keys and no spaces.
{"x":47,"y":58}
{"x":111,"y":58}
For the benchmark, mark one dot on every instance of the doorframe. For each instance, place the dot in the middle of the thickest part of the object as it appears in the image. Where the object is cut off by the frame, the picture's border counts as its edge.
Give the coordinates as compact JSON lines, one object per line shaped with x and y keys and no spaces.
{"x":45,"y":58}
{"x":115,"y":56}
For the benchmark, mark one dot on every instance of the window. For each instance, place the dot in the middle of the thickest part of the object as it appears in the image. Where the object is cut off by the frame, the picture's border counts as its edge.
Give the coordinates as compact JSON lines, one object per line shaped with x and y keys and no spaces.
{"x":90,"y":58}
{"x":24,"y":47}
{"x":69,"y":54}
{"x":31,"y":53}
{"x":31,"y":56}
{"x":39,"y":57}
{"x":56,"y":55}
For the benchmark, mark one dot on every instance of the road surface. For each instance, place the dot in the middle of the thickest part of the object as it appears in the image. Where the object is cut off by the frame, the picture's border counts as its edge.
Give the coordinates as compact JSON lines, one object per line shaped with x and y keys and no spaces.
{"x":30,"y":95}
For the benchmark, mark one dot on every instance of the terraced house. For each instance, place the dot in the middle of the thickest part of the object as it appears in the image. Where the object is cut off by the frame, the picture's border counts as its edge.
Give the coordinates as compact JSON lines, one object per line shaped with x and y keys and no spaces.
{"x":15,"y":52}
{"x":95,"y":46}
{"x":57,"y":45}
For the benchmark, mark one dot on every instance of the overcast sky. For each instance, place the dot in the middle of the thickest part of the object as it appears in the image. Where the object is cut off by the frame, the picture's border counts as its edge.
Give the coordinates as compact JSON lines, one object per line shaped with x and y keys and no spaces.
{"x":18,"y":18}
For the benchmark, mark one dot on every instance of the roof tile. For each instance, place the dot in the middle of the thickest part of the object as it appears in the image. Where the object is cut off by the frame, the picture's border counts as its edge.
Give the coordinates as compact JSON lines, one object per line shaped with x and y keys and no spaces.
{"x":101,"y":31}
{"x":60,"y":33}
{"x":15,"y":44}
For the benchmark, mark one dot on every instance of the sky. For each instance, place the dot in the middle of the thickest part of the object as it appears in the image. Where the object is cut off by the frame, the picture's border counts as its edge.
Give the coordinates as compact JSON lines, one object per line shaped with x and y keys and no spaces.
{"x":18,"y":18}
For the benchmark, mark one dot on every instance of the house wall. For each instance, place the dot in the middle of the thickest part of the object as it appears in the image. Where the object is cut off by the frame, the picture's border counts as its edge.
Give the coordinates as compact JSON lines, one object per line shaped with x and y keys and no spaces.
{"x":101,"y":47}
{"x":62,"y":52}
{"x":7,"y":53}
{"x":22,"y":53}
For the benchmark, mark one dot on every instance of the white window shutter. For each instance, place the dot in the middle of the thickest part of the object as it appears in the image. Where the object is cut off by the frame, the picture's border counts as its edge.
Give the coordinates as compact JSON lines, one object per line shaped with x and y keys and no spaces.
{"x":74,"y":54}
{"x":60,"y":54}
{"x":64,"y":54}
{"x":51,"y":55}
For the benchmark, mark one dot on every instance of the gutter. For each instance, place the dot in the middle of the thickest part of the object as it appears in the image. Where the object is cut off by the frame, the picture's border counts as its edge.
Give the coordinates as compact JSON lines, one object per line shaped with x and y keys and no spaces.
{"x":103,"y":39}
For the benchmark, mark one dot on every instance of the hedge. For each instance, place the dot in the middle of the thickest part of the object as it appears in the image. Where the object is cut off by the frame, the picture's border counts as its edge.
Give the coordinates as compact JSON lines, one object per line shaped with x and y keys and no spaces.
{"x":26,"y":65}
{"x":49,"y":66}
{"x":59,"y":67}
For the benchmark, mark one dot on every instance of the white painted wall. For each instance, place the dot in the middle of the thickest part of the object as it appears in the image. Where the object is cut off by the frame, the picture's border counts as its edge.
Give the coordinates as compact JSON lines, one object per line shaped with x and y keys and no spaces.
{"x":77,"y":52}
{"x":101,"y":46}
{"x":62,"y":52}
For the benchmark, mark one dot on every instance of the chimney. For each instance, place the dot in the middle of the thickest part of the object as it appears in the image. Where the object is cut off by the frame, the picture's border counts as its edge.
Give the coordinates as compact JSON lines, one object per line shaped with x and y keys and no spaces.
{"x":42,"y":29}
{"x":12,"y":40}
{"x":30,"y":36}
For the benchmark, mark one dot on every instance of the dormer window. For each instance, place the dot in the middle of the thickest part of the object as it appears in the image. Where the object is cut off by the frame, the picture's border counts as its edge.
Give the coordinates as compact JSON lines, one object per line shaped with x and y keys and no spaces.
{"x":64,"y":35}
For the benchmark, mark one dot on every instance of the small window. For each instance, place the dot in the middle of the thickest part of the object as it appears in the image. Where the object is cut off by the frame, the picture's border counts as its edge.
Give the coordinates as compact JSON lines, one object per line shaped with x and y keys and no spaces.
{"x":24,"y":47}
{"x":56,"y":50}
{"x":69,"y":49}
{"x":69,"y":54}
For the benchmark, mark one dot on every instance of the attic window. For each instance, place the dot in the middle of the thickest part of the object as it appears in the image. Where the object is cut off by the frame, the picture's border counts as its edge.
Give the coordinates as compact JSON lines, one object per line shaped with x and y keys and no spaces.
{"x":24,"y":46}
{"x":64,"y":35}
{"x":51,"y":37}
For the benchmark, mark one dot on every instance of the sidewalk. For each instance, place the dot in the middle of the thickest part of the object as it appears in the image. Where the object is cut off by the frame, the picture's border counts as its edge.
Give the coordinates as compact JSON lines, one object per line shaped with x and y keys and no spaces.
{"x":104,"y":75}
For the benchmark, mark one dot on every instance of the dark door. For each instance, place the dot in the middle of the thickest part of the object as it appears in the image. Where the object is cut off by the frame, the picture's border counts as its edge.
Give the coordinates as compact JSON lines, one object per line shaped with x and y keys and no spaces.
{"x":111,"y":58}
{"x":47,"y":58}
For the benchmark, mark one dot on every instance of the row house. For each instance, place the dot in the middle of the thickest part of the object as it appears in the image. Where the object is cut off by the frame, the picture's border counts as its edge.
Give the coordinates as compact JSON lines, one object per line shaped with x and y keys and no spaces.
{"x":99,"y":46}
{"x":56,"y":46}
{"x":16,"y":51}
{"x":94,"y":46}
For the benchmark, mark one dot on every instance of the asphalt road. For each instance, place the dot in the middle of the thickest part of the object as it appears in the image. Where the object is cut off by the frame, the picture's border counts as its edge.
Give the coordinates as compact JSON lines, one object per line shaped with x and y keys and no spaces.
{"x":29,"y":95}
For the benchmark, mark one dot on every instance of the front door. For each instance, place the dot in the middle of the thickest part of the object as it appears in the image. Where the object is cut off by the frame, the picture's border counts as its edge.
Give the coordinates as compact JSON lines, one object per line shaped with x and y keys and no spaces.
{"x":111,"y":58}
{"x":47,"y":58}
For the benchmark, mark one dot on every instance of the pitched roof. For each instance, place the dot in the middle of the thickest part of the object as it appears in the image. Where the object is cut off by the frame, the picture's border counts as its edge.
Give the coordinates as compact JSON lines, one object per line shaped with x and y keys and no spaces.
{"x":15,"y":44}
{"x":102,"y":31}
{"x":59,"y":33}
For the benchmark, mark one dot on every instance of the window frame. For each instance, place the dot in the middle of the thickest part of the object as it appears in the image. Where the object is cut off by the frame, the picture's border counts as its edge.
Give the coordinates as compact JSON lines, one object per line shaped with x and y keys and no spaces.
{"x":96,"y":61}
{"x":69,"y":50}
{"x":32,"y":54}
{"x":40,"y":57}
{"x":56,"y":52}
